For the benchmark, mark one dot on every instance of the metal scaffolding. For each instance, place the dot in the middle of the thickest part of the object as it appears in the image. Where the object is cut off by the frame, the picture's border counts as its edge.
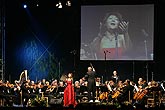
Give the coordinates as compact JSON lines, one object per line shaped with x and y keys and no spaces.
{"x":2,"y":39}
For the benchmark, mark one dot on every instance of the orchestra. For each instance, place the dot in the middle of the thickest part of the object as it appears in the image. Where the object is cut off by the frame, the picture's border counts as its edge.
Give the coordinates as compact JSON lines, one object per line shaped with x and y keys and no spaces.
{"x":109,"y":91}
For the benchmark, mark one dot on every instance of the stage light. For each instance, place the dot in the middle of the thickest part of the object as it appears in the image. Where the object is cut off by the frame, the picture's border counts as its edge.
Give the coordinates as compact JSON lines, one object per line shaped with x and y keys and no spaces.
{"x":68,"y":3}
{"x":24,"y":6}
{"x":59,"y":5}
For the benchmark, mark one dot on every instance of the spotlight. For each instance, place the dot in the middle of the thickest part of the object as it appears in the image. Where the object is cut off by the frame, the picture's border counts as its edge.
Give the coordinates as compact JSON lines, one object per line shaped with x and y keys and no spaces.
{"x":24,"y":6}
{"x":59,"y":5}
{"x":68,"y":3}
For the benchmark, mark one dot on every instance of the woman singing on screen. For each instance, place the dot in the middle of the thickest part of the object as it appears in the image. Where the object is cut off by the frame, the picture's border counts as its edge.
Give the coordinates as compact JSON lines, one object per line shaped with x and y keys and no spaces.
{"x":113,"y":38}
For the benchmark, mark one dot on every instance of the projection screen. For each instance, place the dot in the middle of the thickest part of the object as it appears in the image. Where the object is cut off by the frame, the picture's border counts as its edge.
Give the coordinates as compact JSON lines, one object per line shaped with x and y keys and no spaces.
{"x":138,"y":24}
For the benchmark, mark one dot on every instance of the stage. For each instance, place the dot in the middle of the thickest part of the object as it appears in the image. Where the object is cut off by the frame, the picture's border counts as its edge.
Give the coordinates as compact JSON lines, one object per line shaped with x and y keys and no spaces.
{"x":95,"y":106}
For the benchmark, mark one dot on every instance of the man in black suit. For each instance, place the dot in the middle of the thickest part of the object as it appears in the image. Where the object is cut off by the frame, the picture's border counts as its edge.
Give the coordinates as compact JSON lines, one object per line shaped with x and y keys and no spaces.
{"x":91,"y":86}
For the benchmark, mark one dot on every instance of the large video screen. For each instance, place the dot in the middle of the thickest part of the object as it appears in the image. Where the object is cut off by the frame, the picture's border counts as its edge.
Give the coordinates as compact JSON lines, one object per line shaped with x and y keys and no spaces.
{"x":117,"y":32}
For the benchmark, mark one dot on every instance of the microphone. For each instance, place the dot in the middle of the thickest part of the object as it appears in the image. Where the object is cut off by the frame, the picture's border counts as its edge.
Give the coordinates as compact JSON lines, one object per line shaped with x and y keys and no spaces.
{"x":145,"y":33}
{"x":101,"y":25}
{"x":106,"y":51}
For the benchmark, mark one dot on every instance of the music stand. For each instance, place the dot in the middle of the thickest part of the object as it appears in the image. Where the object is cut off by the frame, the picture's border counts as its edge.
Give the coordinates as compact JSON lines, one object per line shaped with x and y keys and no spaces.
{"x":60,"y":89}
{"x":83,"y":93}
{"x":83,"y":89}
{"x":60,"y":92}
{"x":44,"y":88}
{"x":103,"y":89}
{"x":104,"y":93}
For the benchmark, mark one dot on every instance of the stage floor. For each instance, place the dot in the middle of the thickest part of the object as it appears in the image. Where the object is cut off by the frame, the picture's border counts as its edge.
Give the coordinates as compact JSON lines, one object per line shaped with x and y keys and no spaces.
{"x":115,"y":106}
{"x":96,"y":106}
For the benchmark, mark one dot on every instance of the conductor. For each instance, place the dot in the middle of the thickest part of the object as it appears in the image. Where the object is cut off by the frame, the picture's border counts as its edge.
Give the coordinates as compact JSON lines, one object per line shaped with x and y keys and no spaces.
{"x":91,"y":86}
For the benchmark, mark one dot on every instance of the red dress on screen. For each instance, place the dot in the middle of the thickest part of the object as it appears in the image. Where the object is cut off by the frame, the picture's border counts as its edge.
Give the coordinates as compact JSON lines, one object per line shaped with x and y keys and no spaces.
{"x":69,"y":95}
{"x":114,"y":53}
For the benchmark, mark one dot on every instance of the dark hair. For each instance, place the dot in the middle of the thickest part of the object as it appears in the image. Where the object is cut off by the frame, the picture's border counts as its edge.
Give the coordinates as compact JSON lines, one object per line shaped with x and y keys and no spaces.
{"x":118,"y":15}
{"x":103,"y":27}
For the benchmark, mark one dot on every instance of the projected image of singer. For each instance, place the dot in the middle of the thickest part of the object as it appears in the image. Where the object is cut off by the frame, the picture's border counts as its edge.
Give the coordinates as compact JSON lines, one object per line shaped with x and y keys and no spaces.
{"x":112,"y":38}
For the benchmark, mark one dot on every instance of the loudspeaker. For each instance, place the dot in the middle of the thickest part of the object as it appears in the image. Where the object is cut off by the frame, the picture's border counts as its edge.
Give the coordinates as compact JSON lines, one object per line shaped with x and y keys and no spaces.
{"x":55,"y":101}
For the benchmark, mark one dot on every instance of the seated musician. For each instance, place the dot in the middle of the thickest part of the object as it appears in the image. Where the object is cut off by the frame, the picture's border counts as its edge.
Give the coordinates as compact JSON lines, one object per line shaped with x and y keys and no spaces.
{"x":81,"y":81}
{"x":61,"y":88}
{"x":162,"y":88}
{"x":25,"y":93}
{"x":39,"y":87}
{"x":47,"y":88}
{"x":33,"y":87}
{"x":127,"y":92}
{"x":54,"y":86}
{"x":17,"y":92}
{"x":77,"y":91}
{"x":111,"y":86}
{"x":3,"y":95}
{"x":117,"y":90}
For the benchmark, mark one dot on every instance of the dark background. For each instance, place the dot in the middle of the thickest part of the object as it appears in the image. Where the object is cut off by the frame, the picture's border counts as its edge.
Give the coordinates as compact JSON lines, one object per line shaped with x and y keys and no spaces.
{"x":59,"y":29}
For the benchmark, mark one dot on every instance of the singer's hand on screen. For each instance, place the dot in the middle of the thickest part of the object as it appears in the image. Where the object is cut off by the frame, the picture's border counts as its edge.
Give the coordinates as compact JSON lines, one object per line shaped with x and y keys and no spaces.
{"x":124,"y":26}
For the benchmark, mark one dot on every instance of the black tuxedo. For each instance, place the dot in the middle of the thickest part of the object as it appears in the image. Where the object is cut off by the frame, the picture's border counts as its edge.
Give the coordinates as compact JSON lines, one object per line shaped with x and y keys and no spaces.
{"x":91,"y":86}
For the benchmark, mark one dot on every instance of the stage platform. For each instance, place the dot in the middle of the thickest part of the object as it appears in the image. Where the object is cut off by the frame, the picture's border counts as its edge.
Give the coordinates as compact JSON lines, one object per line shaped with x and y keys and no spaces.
{"x":92,"y":106}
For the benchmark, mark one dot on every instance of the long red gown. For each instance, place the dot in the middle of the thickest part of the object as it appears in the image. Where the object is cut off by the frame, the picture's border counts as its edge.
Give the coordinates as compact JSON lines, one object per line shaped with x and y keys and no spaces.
{"x":69,"y":95}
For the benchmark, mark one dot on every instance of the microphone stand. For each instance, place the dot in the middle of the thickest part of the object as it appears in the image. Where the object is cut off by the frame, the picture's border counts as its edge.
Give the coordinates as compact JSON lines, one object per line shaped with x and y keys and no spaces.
{"x":116,"y":50}
{"x":105,"y":56}
{"x":133,"y":76}
{"x":74,"y":60}
{"x":147,"y":71}
{"x":146,"y":50}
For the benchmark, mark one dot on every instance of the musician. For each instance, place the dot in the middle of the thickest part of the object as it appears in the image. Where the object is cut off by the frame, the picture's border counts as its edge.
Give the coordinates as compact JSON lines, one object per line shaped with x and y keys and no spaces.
{"x":91,"y":86}
{"x":82,"y":81}
{"x":140,"y":81}
{"x":115,"y":90}
{"x":43,"y":82}
{"x":115,"y":77}
{"x":25,"y":93}
{"x":17,"y":92}
{"x":54,"y":86}
{"x":33,"y":87}
{"x":111,"y":86}
{"x":39,"y":87}
{"x":162,"y":87}
{"x":127,"y":92}
{"x":3,"y":94}
{"x":77,"y":90}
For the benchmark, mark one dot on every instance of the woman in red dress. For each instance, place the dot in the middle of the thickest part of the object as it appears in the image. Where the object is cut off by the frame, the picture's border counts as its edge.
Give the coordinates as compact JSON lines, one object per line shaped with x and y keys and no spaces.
{"x":69,"y":93}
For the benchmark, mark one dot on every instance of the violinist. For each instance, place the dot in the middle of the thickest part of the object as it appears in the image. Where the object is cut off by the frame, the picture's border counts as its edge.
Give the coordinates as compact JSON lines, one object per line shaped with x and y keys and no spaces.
{"x":3,"y":94}
{"x":17,"y":92}
{"x":33,"y":87}
{"x":53,"y":89}
{"x":39,"y":87}
{"x":47,"y":88}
